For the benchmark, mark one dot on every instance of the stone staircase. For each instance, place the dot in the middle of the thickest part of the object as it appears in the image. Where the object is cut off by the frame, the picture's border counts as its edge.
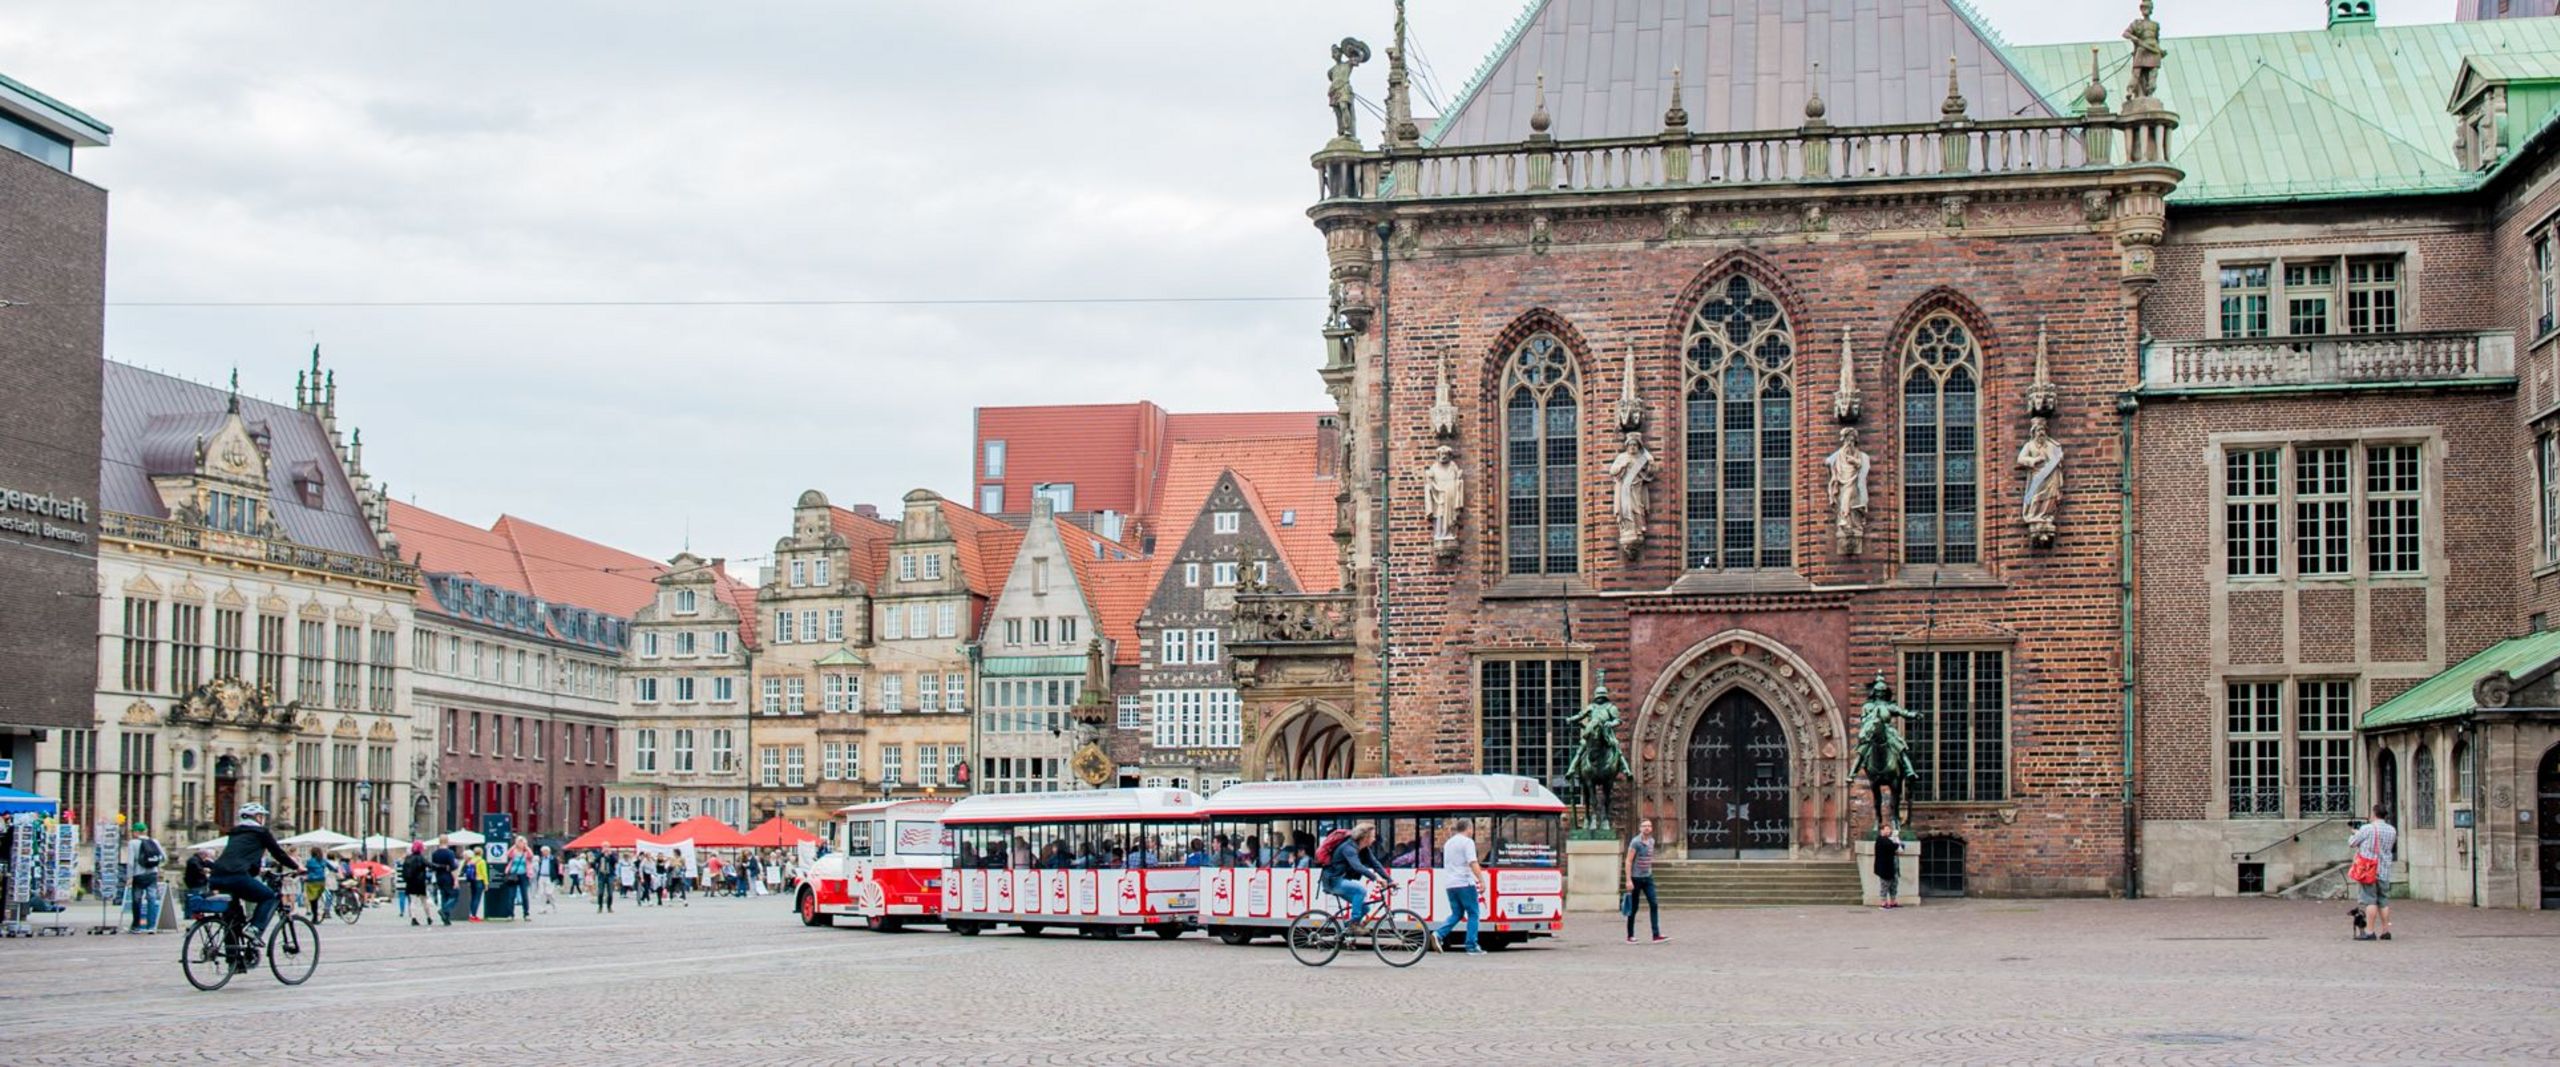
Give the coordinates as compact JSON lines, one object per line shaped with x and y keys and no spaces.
{"x":1755,"y":883}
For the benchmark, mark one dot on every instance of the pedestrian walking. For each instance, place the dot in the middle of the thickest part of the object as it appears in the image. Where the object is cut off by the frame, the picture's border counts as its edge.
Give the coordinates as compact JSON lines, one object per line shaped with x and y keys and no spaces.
{"x":446,"y":866}
{"x":606,"y":874}
{"x":548,"y":870}
{"x":147,"y":858}
{"x":1462,"y":876}
{"x":626,"y":875}
{"x":1639,"y":879}
{"x":2374,"y":845}
{"x":1888,"y":866}
{"x":413,"y":881}
{"x":519,"y":874}
{"x":315,"y":881}
{"x":475,"y":882}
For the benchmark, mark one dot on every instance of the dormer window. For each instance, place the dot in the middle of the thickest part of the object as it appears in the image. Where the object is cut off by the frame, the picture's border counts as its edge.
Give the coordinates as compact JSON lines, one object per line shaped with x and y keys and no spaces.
{"x":685,"y":602}
{"x":309,"y":483}
{"x":932,"y":566}
{"x":231,"y":512}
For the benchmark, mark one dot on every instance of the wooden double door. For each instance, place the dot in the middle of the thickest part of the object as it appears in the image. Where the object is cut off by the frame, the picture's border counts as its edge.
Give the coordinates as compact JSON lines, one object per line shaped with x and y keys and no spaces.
{"x":1740,"y":797}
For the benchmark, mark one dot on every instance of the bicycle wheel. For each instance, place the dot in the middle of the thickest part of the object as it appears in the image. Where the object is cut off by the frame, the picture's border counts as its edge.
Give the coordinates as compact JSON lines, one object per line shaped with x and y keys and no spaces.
{"x":202,"y":957}
{"x":1315,"y":937}
{"x":350,"y":908}
{"x":1400,"y":938}
{"x":293,"y":949}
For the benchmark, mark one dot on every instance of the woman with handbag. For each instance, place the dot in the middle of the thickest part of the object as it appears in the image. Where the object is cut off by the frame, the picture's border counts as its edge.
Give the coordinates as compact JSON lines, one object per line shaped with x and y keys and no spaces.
{"x":2373,"y":844}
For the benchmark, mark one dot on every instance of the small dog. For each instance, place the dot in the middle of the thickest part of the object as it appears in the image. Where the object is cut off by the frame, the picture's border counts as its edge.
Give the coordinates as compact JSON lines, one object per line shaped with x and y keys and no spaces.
{"x":2357,"y":914}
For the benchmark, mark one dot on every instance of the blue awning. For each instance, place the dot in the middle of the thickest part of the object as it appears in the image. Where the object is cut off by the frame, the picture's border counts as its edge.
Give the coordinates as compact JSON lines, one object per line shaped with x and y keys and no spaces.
{"x":13,"y":801}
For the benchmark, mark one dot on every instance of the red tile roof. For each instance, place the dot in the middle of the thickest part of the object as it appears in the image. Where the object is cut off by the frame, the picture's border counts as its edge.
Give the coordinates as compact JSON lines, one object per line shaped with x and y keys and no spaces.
{"x":1119,"y":590}
{"x":1115,"y":455}
{"x":867,"y":539}
{"x":741,"y":598}
{"x":986,"y":546}
{"x":1282,"y":474}
{"x":527,"y":558}
{"x":1233,"y":424}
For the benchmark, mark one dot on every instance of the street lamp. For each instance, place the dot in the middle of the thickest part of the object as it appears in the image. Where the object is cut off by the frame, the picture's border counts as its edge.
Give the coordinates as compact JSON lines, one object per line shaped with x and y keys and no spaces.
{"x":364,"y":804}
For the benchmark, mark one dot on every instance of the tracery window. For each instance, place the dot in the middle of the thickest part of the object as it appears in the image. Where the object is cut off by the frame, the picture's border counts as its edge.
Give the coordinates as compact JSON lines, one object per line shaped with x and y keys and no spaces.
{"x":1941,"y":445}
{"x":1741,"y":431}
{"x":1541,"y":460}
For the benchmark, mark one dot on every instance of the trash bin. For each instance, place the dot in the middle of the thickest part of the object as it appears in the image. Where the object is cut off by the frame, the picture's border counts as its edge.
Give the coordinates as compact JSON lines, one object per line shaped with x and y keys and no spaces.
{"x":498,"y":902}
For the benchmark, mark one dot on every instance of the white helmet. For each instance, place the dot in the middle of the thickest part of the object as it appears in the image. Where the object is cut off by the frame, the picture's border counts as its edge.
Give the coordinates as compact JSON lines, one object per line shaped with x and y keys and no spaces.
{"x":253,"y":810}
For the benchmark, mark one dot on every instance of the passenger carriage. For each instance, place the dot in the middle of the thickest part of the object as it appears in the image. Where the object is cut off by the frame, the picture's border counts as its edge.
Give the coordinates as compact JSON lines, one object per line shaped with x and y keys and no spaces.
{"x":1104,"y":862}
{"x":886,"y":868}
{"x":1519,"y":836}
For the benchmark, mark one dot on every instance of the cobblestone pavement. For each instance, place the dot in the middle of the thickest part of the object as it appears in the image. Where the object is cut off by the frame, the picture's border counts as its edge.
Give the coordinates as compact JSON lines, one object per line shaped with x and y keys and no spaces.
{"x":742,"y":982}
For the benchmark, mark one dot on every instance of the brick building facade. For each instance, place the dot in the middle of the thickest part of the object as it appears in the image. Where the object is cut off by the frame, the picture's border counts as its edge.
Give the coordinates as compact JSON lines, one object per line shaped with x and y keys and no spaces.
{"x":55,"y":228}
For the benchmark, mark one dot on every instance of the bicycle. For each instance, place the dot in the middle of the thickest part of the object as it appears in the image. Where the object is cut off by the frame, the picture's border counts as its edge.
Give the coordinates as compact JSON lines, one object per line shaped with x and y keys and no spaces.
{"x":347,"y":904}
{"x":1397,"y":935}
{"x":218,"y":944}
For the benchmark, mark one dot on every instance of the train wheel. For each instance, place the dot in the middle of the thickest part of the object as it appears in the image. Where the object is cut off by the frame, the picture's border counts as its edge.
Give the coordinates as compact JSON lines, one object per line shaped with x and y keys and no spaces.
{"x":809,"y":913}
{"x":1168,"y":931}
{"x":966,"y":929}
{"x":1235,"y":937}
{"x":882,"y":924}
{"x":1400,"y":938}
{"x":1032,"y":929}
{"x":1315,"y":937}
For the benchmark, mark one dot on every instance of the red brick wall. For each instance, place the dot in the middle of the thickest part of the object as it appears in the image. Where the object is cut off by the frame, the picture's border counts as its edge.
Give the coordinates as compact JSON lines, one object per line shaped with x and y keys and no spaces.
{"x":2517,"y":218}
{"x":2063,"y":829}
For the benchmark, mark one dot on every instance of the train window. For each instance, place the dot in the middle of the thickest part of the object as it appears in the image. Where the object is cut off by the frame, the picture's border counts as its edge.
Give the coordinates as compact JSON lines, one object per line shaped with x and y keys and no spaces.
{"x":857,"y":838}
{"x":1522,"y":840}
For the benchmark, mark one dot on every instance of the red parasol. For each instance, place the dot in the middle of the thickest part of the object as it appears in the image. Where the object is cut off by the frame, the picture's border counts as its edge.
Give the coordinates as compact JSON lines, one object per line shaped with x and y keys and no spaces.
{"x":777,"y":832}
{"x":705,"y":832}
{"x":612,"y":833}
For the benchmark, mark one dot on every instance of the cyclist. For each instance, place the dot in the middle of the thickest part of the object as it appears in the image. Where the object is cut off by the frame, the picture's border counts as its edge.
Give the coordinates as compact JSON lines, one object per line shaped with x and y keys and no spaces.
{"x":236,"y":872}
{"x":1350,"y":867}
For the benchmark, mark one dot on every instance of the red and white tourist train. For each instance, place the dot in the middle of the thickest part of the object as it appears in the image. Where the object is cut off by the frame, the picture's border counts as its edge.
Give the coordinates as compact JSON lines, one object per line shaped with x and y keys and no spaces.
{"x":886,"y":868}
{"x":1102,"y":862}
{"x":1519,"y":833}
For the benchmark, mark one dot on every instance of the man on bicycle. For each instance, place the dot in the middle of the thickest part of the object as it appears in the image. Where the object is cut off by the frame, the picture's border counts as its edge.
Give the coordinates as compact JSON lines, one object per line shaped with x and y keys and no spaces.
{"x":236,"y":872}
{"x":1349,"y":869}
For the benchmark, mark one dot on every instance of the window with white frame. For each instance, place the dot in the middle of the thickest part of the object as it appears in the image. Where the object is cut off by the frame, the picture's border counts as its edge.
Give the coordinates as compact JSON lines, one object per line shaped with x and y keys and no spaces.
{"x":1178,"y":718}
{"x":893,"y":765}
{"x":799,"y":574}
{"x":1067,"y":630}
{"x":2249,"y":495}
{"x":991,"y":499}
{"x":2546,"y":285}
{"x":724,"y":690}
{"x":831,"y":761}
{"x":1191,"y":575}
{"x":919,"y":620}
{"x":835,"y":624}
{"x":684,"y":689}
{"x":1222,"y":573}
{"x":2320,"y":497}
{"x":906,"y":566}
{"x":809,"y":625}
{"x":1223,"y":718}
{"x":955,"y":690}
{"x":685,"y":602}
{"x":933,"y":566}
{"x":2258,"y":735}
{"x":2391,"y":491}
{"x":893,"y":622}
{"x":769,"y":765}
{"x":994,"y":464}
{"x":645,"y":690}
{"x":795,"y":766}
{"x":644,"y":750}
{"x":724,"y":750}
{"x":1175,"y":647}
{"x":786,"y":628}
{"x":684,"y":751}
{"x":1225,"y":522}
{"x":831,"y":693}
{"x":893,"y":692}
{"x":1133,"y":712}
{"x":1204,"y":645}
{"x":1061,"y":495}
{"x":720,"y":642}
{"x":928,"y":693}
{"x":795,"y":696}
{"x":2253,"y":748}
{"x":2323,"y":744}
{"x":773,"y":696}
{"x":1262,"y":572}
{"x":2546,"y":465}
{"x":648,"y":648}
{"x":929,"y":766}
{"x":2319,"y":296}
{"x":946,"y":619}
{"x":1013,"y":631}
{"x":1039,"y":631}
{"x":818,"y":571}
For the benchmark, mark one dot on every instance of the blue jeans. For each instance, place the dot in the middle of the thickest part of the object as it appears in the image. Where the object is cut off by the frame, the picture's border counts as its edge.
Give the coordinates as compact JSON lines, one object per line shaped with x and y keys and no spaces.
{"x":1354,"y":891}
{"x":471,"y":905}
{"x":245,"y":890}
{"x":1462,"y":902}
{"x":146,"y":904}
{"x":1641,"y":888}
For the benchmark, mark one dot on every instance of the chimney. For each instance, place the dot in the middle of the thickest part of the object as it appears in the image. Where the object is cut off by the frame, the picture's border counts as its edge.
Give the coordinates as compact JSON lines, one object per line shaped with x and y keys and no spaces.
{"x":2350,"y":13}
{"x":1328,"y":446}
{"x":868,"y":511}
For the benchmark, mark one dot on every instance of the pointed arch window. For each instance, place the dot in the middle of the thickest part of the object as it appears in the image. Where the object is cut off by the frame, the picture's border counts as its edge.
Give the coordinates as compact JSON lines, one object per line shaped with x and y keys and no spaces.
{"x":1741,"y":431}
{"x":1541,"y":460}
{"x":1941,"y":444}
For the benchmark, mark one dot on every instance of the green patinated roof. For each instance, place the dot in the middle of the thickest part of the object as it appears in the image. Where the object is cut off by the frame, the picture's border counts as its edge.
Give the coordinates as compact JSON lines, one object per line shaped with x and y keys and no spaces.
{"x":2448,"y":695}
{"x":1019,"y":666}
{"x":844,"y":657}
{"x":2352,"y":111}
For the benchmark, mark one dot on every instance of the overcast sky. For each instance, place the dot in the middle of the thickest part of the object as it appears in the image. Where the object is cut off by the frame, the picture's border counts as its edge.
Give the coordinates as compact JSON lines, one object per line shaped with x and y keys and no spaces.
{"x":564,"y":150}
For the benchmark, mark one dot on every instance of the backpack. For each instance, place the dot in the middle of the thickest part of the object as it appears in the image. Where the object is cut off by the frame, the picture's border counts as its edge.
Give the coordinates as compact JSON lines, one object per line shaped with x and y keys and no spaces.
{"x":1324,"y":852}
{"x":147,"y":856}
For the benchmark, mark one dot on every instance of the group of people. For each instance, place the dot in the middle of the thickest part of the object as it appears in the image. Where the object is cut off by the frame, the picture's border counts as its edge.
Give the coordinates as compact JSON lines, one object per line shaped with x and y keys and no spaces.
{"x":1351,"y":864}
{"x":437,"y":884}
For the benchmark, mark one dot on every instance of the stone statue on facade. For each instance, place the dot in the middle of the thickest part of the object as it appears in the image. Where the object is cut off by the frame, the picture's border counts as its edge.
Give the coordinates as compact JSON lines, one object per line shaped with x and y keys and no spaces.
{"x":1847,"y":492}
{"x":1346,"y":55}
{"x":1884,"y":756}
{"x":1597,"y":762}
{"x":2147,"y":54}
{"x":1631,"y":479}
{"x":2042,"y":504}
{"x":1444,"y":498}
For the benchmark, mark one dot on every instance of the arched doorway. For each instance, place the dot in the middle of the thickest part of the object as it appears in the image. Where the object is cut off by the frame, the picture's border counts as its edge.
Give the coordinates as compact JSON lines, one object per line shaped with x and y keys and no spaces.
{"x":2546,"y":783}
{"x":1309,"y":742}
{"x":1738,"y":801}
{"x":226,"y":789}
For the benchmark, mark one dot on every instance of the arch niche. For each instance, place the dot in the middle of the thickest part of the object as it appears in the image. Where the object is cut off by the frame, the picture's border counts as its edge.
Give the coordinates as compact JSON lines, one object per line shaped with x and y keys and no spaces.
{"x":1739,"y":668}
{"x":1309,"y":740}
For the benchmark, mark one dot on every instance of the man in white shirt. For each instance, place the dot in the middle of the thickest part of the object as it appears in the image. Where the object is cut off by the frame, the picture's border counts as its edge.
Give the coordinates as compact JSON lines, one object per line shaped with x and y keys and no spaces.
{"x":1461,"y":876}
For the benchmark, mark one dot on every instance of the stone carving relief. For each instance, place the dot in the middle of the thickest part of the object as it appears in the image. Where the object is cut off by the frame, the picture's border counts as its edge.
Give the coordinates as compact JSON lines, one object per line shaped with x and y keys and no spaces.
{"x":1846,"y":490}
{"x":1631,"y":492}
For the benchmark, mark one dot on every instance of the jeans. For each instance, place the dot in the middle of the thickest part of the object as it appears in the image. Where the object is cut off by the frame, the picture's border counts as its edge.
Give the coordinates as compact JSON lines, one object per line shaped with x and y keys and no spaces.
{"x":1653,"y":905}
{"x":1462,"y":902}
{"x":244,"y":890}
{"x":446,"y":896}
{"x":471,"y":899}
{"x":146,"y":904}
{"x":1353,"y":891}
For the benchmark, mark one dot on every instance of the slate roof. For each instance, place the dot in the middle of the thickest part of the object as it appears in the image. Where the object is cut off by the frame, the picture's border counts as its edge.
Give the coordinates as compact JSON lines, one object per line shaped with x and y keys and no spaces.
{"x":147,"y":411}
{"x":2448,"y":695}
{"x":2351,"y":111}
{"x":1744,"y":65}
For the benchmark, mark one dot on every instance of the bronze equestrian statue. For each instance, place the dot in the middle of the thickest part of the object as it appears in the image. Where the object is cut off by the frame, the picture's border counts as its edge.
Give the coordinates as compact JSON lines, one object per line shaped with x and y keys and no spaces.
{"x":1598,"y":762}
{"x":1884,"y":757}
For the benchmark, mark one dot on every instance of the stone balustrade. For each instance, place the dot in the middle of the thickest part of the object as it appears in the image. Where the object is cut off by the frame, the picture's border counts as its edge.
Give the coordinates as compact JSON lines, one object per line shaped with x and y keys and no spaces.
{"x":146,"y":530}
{"x":2240,"y":363}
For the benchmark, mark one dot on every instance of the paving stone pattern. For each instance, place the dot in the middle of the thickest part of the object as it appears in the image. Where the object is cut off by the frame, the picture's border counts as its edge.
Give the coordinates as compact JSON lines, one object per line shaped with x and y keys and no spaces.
{"x":741,"y":982}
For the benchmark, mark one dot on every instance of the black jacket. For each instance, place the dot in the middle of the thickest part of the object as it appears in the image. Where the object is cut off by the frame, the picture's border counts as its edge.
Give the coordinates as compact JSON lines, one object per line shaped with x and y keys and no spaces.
{"x":249,"y":843}
{"x":413,"y":874}
{"x":199,"y":872}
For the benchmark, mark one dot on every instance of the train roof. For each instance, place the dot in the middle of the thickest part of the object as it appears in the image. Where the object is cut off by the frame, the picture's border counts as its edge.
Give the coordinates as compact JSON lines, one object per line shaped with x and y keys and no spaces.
{"x":905,"y":806}
{"x":1081,"y":805}
{"x":1456,"y":793}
